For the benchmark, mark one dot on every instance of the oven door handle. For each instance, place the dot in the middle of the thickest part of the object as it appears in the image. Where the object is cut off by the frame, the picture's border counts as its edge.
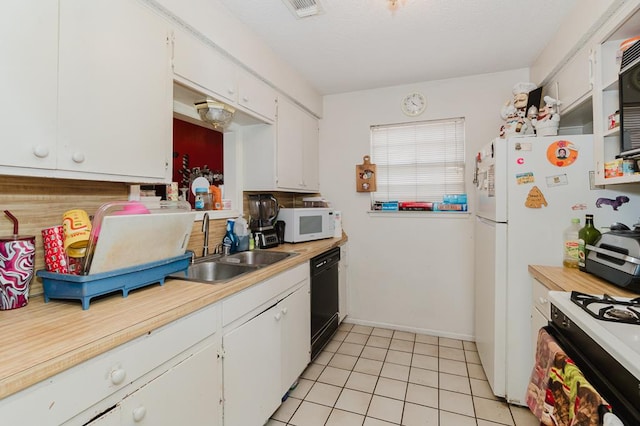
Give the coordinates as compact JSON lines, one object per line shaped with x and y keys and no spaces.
{"x":613,"y":254}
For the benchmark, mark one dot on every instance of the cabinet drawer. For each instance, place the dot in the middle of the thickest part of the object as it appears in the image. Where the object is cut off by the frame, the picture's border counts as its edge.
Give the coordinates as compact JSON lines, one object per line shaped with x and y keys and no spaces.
{"x":266,"y":292}
{"x":541,"y":298}
{"x":64,"y":395}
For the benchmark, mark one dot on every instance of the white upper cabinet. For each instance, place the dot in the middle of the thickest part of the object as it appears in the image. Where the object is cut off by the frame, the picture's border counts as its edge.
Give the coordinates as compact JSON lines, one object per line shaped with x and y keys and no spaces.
{"x":284,"y":156}
{"x":201,"y":66}
{"x":115,"y":91}
{"x":28,"y":83}
{"x":257,"y":96}
{"x":573,"y":83}
{"x":298,"y":134}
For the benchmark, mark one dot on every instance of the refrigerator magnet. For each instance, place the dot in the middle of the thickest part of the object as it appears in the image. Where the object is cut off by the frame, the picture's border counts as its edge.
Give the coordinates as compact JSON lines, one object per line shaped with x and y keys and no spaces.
{"x":535,"y":199}
{"x":562,"y":153}
{"x":557,"y":180}
{"x":522,"y":178}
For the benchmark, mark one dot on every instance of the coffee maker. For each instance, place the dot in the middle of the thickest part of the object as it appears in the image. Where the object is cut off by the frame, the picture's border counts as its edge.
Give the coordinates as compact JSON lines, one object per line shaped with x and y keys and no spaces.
{"x":263,"y":210}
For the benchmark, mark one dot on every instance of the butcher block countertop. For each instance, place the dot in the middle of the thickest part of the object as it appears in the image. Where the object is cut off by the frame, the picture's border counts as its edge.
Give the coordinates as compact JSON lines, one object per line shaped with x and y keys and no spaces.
{"x":558,"y":278}
{"x":43,"y":339}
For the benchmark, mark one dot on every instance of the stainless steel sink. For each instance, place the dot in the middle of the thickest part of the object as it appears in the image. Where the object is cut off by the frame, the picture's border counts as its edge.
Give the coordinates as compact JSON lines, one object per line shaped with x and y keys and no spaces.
{"x":213,"y":272}
{"x":217,"y":269}
{"x":255,"y":257}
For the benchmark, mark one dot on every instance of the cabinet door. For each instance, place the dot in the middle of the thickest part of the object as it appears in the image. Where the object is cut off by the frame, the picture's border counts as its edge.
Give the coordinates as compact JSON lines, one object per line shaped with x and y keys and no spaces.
{"x":251,"y":369}
{"x":115,"y":103}
{"x":289,"y":145}
{"x":297,"y":141}
{"x":296,"y":335}
{"x":575,"y":80}
{"x":310,"y":155}
{"x":257,"y":96}
{"x":186,"y":394}
{"x":29,"y":52}
{"x":202,"y":65}
{"x":342,"y":283}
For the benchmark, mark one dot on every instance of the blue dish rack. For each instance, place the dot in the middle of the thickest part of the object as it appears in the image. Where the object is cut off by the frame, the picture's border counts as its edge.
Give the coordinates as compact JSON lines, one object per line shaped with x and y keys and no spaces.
{"x":85,"y":287}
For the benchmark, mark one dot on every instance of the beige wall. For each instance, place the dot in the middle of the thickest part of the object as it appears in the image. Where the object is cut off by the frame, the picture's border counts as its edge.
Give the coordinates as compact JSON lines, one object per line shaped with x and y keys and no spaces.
{"x":411,"y":272}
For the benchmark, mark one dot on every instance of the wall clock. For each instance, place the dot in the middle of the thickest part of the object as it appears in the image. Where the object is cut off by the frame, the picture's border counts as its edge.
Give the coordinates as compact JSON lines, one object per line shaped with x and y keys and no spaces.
{"x":414,"y":104}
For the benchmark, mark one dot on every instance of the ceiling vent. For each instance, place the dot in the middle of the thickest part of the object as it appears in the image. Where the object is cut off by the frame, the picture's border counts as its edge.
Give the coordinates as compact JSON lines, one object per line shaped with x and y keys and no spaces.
{"x":303,"y":8}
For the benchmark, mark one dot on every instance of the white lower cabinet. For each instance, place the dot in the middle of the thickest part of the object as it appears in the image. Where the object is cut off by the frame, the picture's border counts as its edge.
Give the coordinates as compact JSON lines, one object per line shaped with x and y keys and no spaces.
{"x":171,"y":371}
{"x":342,"y":284}
{"x":251,"y":370}
{"x":265,"y":352}
{"x":184,"y":394}
{"x":540,"y":311}
{"x":229,"y":363}
{"x":295,"y":336}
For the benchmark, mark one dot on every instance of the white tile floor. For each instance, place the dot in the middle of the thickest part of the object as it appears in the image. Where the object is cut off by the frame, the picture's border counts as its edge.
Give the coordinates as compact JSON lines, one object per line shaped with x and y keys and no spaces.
{"x":374,"y":377}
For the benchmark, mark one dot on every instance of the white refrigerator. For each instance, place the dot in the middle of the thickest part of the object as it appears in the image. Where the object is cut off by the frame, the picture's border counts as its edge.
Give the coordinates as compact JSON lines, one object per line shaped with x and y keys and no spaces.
{"x":527,"y":191}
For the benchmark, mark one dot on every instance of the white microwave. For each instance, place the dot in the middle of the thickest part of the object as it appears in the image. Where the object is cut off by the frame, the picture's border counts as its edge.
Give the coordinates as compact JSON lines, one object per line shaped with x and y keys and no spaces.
{"x":307,"y":224}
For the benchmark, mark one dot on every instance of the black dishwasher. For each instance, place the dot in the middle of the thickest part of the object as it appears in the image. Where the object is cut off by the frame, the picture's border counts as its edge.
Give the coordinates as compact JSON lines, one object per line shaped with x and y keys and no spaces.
{"x":324,"y":299}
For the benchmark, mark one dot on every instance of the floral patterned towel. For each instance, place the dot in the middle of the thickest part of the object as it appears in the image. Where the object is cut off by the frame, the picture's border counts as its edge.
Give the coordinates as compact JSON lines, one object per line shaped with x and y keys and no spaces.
{"x":558,"y":394}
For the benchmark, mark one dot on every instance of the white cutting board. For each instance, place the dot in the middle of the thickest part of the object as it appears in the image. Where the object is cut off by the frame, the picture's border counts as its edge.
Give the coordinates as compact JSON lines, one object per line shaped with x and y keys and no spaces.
{"x":131,"y":240}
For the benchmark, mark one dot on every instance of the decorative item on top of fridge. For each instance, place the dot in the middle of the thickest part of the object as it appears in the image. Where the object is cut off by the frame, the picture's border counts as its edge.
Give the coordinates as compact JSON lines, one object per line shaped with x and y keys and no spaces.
{"x":514,"y":112}
{"x":547,"y":120}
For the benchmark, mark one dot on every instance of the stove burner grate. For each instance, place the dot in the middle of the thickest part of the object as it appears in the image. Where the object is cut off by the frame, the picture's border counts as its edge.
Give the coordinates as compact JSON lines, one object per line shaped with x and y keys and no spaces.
{"x":617,"y":310}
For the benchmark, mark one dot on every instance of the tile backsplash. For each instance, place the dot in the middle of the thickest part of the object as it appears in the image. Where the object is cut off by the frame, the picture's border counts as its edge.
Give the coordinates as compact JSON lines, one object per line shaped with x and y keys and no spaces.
{"x":39,"y":203}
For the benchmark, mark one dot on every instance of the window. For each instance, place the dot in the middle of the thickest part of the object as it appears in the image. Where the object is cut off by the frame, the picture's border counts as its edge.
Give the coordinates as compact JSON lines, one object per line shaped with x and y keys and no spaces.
{"x":419,"y":161}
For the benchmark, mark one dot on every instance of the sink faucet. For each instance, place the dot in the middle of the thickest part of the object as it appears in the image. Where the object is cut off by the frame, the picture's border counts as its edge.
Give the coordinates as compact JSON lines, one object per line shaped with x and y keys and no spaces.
{"x":205,"y":229}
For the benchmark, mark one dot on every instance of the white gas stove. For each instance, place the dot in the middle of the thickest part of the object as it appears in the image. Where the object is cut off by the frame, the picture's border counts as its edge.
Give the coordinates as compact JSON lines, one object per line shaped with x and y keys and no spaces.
{"x":602,"y":335}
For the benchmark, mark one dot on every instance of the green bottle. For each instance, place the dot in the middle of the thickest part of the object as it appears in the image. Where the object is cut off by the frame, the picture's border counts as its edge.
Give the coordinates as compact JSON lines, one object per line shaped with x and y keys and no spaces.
{"x":588,"y":234}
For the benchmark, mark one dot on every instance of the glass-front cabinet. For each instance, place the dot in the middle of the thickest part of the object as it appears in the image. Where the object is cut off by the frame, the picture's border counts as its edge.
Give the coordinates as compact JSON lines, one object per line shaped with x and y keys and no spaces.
{"x":607,"y":140}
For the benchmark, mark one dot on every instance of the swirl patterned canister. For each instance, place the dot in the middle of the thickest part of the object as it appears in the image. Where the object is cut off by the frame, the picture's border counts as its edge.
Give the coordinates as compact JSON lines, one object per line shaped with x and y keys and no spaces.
{"x":16,"y":270}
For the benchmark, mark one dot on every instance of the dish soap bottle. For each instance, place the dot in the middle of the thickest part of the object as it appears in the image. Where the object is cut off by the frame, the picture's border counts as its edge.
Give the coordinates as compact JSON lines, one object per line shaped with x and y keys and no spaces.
{"x":589,"y":234}
{"x":230,"y":240}
{"x":571,"y":245}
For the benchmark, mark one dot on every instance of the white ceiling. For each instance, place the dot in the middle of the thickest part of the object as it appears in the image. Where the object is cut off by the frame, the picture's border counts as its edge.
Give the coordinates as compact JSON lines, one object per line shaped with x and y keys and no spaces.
{"x":360,"y":44}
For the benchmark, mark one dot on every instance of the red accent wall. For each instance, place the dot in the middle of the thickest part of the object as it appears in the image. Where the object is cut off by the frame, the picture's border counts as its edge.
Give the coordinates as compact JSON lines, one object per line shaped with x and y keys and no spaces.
{"x":204,"y":147}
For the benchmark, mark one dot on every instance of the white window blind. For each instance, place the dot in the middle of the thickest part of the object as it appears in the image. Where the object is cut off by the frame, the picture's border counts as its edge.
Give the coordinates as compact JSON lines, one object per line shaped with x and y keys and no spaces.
{"x":418,"y":161}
